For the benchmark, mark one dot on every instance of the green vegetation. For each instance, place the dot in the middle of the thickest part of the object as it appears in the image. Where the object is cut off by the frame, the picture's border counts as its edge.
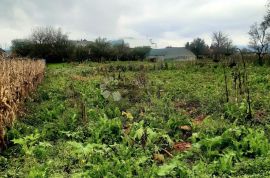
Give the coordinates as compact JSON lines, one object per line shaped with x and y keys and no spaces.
{"x":137,"y":119}
{"x":55,"y":47}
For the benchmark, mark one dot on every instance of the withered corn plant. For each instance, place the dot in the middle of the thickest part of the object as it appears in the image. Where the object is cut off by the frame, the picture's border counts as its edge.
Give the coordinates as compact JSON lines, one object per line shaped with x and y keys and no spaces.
{"x":18,"y":77}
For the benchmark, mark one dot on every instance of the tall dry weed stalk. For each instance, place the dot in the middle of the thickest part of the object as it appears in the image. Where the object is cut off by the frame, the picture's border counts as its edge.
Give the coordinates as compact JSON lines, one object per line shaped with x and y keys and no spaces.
{"x":18,"y":77}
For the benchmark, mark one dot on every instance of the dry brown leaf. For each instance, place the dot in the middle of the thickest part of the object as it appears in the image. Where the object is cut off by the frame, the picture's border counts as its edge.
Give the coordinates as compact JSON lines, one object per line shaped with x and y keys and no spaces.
{"x":185,"y":127}
{"x":182,"y":146}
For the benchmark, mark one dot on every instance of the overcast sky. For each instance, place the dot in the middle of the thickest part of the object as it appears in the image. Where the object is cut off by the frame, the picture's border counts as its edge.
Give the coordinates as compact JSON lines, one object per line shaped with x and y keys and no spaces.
{"x":167,"y":22}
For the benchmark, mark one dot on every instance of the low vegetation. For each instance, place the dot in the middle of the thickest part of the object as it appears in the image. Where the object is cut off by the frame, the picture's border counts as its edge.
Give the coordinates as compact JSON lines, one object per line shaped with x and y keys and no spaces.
{"x":138,"y":119}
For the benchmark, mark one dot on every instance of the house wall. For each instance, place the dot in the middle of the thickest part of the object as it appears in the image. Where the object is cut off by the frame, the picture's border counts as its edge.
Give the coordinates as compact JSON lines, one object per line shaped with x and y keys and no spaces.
{"x":183,"y":58}
{"x":155,"y":58}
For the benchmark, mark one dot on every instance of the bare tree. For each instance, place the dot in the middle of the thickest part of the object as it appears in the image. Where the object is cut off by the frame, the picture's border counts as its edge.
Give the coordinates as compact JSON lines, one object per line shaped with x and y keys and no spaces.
{"x":48,"y":35}
{"x":221,"y":44}
{"x":259,"y":39}
{"x":51,"y":44}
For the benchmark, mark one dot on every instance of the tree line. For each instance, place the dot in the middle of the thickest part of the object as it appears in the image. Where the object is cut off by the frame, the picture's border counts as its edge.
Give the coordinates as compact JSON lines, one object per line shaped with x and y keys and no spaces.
{"x":54,"y":46}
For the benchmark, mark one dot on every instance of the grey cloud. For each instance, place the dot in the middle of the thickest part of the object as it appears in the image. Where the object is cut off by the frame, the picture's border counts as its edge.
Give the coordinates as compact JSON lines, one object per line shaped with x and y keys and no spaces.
{"x":160,"y":19}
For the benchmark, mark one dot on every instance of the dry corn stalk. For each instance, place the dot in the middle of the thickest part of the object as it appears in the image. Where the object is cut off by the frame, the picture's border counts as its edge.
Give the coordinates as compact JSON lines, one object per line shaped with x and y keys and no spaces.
{"x":18,"y":77}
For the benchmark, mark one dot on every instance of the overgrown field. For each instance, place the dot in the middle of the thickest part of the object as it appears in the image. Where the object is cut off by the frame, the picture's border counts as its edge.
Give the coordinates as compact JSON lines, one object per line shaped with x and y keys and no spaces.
{"x":135,"y":119}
